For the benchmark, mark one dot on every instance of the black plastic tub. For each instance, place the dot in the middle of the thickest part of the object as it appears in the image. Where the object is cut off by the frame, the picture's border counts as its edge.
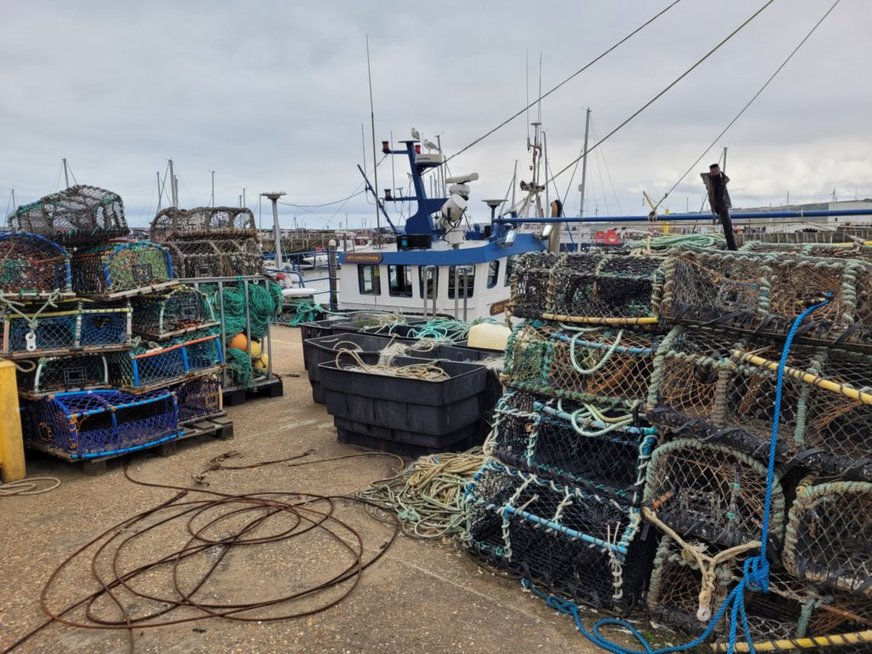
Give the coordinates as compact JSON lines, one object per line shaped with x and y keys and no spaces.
{"x":318,"y":328}
{"x":406,"y":443}
{"x":398,"y":331}
{"x":434,"y":408}
{"x":322,"y":349}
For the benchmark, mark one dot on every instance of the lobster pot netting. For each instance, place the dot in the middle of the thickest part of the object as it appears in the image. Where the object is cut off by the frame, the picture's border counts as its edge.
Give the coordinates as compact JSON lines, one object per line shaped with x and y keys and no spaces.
{"x":594,"y":364}
{"x":31,"y":265}
{"x":724,"y":389}
{"x":712,"y":492}
{"x":91,"y":424}
{"x":173,"y":223}
{"x":573,"y":444}
{"x":199,"y":398}
{"x":79,"y":215}
{"x":71,"y":327}
{"x":118,"y":267}
{"x":216,"y":257}
{"x":764,"y":293}
{"x":612,"y":287}
{"x":678,"y":596}
{"x":829,"y":536}
{"x":56,"y":374}
{"x":847,"y":250}
{"x":163,"y":315}
{"x":592,"y":287}
{"x":153,"y":365}
{"x":584,"y":547}
{"x":530,"y":284}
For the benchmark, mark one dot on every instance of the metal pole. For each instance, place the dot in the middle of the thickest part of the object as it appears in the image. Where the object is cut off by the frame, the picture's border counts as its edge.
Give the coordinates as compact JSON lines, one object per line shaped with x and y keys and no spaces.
{"x":173,"y":192}
{"x":584,"y":161}
{"x":456,"y":291}
{"x":243,"y":196}
{"x":212,"y":197}
{"x":465,"y":292}
{"x":66,"y":173}
{"x":277,"y":232}
{"x":441,"y":170}
{"x":545,"y":158}
{"x":331,"y":273}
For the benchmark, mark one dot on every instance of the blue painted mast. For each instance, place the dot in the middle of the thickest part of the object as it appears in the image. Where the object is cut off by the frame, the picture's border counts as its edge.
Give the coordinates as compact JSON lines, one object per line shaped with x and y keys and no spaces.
{"x":421,"y":222}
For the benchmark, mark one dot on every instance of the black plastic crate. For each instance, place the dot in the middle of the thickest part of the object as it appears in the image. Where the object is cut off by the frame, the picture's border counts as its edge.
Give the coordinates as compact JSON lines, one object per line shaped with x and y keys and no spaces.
{"x":437,"y":408}
{"x":317,"y":328}
{"x":324,"y":348}
{"x":406,"y":443}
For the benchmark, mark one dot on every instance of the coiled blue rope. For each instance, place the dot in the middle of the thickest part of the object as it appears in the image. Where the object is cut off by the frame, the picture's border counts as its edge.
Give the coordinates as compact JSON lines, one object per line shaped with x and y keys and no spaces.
{"x":755,"y":572}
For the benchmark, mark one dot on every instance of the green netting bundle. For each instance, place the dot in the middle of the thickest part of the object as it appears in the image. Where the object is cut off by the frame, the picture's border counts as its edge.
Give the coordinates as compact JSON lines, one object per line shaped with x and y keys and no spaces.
{"x":264,"y":303}
{"x":240,"y":367}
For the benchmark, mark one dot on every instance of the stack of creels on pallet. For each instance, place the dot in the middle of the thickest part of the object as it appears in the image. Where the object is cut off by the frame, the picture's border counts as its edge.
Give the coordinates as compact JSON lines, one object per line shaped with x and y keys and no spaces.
{"x":112,"y":354}
{"x":209,"y":241}
{"x":560,"y":502}
{"x":217,"y":249}
{"x":692,"y":348}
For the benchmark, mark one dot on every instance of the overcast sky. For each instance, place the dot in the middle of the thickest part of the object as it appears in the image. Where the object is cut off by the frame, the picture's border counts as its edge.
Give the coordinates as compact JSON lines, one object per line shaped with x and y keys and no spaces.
{"x":272,"y":95}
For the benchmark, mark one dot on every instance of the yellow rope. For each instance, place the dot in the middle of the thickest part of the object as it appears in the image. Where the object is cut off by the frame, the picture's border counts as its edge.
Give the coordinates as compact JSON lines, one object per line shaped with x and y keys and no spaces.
{"x":833,"y":640}
{"x":807,"y":377}
{"x":594,"y":320}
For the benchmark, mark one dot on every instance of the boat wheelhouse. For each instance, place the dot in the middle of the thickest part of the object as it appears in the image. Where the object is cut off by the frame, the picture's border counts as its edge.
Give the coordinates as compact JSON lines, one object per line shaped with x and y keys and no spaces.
{"x":440,"y":264}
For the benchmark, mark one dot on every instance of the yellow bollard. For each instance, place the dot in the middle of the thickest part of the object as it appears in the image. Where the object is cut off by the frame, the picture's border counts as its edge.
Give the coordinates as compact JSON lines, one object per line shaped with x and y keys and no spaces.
{"x":11,"y":439}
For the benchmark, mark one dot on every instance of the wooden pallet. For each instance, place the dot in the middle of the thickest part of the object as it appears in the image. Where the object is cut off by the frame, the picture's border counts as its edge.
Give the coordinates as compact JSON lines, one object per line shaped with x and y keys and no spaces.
{"x":270,"y":387}
{"x":219,"y":426}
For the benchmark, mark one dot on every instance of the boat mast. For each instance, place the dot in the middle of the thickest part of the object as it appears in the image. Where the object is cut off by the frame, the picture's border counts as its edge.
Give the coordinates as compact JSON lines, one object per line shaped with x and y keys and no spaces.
{"x":66,"y":173}
{"x":374,"y":164}
{"x":584,"y":162}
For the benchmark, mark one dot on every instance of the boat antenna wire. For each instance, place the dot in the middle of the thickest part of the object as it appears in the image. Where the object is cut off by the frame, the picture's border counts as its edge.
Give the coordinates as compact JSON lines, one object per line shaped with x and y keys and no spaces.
{"x":749,"y":103}
{"x":565,"y":81}
{"x":667,"y":89}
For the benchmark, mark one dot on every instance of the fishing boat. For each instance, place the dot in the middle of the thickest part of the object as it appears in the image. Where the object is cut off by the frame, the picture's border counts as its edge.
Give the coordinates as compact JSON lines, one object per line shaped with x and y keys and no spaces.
{"x":441,"y":264}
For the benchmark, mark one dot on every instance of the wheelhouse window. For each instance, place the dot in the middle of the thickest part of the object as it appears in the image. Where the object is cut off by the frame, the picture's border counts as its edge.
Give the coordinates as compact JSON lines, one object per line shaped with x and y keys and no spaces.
{"x":368,"y":279}
{"x":400,"y":281}
{"x":428,"y":281}
{"x":463,"y":277}
{"x":493,"y":273}
{"x":511,"y":262}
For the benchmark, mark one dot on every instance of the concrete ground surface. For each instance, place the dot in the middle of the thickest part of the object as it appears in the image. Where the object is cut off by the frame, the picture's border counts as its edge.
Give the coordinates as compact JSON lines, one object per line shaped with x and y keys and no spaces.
{"x":421,"y":596}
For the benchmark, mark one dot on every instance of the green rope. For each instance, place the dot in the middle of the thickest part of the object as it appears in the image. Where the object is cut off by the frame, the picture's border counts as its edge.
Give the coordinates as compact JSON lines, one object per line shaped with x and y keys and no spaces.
{"x":428,"y":495}
{"x":264,"y":304}
{"x":679,"y":240}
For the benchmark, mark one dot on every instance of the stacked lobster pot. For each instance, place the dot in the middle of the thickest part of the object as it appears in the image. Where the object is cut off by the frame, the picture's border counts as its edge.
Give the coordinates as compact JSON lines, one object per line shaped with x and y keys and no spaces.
{"x":217,"y":251}
{"x":713,"y":395}
{"x":113,"y":356}
{"x":559,"y":503}
{"x":647,"y":381}
{"x":209,"y":242}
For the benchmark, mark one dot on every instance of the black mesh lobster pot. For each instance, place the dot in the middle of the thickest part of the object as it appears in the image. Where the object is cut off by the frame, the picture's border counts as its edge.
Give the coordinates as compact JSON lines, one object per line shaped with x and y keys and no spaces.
{"x":577,"y":445}
{"x":77,"y":216}
{"x":587,"y":548}
{"x":32,"y":267}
